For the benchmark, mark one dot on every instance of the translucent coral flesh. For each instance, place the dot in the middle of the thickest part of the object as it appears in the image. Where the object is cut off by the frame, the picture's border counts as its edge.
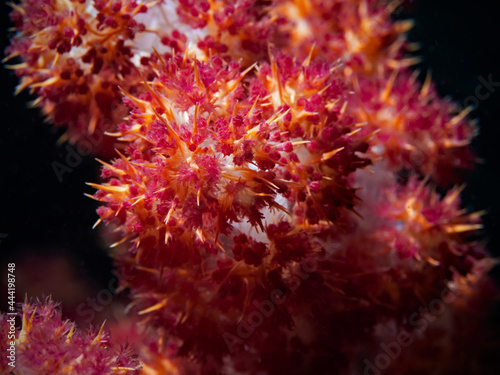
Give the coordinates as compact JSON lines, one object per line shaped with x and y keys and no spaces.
{"x":255,"y":192}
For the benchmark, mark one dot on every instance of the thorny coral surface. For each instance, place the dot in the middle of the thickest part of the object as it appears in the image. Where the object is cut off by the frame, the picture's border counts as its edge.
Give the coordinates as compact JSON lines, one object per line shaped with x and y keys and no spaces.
{"x":253,"y":182}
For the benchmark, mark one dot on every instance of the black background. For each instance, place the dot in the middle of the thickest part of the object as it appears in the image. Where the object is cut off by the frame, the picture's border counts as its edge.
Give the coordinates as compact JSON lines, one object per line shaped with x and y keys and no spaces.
{"x":40,"y":216}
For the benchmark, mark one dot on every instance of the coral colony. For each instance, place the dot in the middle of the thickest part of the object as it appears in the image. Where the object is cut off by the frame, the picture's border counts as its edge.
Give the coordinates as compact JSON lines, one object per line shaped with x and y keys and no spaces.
{"x":271,"y":170}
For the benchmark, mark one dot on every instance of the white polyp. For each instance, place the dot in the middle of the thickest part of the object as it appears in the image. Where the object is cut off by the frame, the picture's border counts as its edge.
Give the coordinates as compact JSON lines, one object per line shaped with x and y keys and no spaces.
{"x":378,"y":149}
{"x":163,"y":19}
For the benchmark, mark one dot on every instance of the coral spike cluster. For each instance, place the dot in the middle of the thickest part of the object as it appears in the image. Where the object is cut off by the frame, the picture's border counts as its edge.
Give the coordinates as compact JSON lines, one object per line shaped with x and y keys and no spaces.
{"x":47,"y":344}
{"x":76,"y":55}
{"x":272,"y":189}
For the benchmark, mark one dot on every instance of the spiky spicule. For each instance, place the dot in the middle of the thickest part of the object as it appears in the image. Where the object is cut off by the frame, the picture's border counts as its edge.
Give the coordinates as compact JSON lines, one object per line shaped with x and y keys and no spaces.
{"x":274,"y":188}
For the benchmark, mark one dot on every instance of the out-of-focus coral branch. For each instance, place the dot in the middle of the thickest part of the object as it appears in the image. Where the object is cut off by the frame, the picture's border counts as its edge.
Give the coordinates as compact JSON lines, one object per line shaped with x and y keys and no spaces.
{"x":47,"y":344}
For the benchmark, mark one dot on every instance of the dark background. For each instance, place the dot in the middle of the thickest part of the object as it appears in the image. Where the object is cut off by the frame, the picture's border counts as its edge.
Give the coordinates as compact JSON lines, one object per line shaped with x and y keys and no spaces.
{"x":43,"y":220}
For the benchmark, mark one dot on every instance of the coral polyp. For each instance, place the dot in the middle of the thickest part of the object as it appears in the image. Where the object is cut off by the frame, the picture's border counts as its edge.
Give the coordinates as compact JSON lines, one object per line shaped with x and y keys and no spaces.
{"x":75,"y":56}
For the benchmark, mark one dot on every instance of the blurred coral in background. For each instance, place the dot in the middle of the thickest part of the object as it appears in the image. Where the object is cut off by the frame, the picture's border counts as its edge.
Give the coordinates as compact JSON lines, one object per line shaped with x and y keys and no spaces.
{"x":279,"y":190}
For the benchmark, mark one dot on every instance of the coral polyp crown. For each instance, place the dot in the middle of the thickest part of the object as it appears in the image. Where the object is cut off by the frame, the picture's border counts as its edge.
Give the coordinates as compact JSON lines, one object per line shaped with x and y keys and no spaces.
{"x":75,"y":56}
{"x":210,"y":146}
